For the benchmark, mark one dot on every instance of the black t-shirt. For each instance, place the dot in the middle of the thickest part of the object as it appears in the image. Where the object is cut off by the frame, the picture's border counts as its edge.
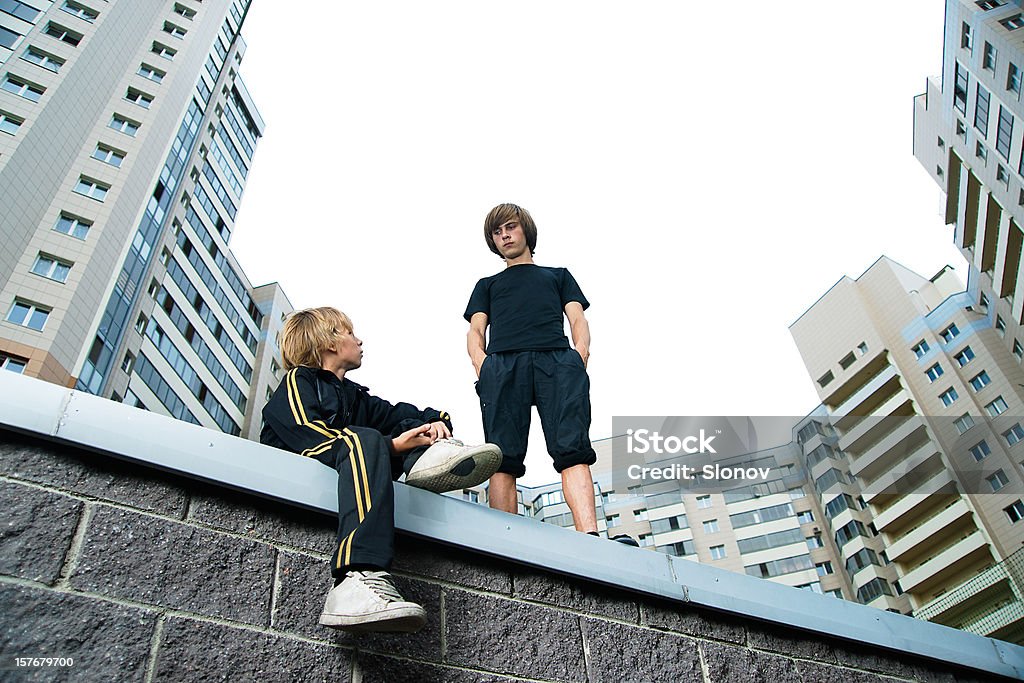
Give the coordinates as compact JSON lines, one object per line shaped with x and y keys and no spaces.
{"x":524,"y":306}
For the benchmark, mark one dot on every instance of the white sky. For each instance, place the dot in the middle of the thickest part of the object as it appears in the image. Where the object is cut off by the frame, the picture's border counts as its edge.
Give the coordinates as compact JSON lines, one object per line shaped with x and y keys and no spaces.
{"x":705,"y":170}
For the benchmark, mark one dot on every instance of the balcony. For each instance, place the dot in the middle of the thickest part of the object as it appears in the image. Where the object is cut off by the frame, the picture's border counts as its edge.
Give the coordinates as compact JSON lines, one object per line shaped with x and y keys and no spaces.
{"x":942,"y":480}
{"x":860,"y":436}
{"x":971,"y":547}
{"x":901,"y":444}
{"x":849,"y":406}
{"x":928,"y":529}
{"x":906,"y":473}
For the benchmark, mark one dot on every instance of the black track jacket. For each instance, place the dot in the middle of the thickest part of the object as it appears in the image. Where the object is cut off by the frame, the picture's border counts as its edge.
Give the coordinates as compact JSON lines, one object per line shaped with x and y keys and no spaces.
{"x":310,"y":408}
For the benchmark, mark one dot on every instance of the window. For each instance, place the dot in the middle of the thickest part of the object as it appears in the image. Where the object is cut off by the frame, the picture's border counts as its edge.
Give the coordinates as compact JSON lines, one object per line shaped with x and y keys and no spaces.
{"x":12,"y":363}
{"x":996,"y":407}
{"x":1000,"y":325}
{"x":703,"y":501}
{"x":28,"y":315}
{"x":63,"y":34}
{"x":990,"y":4}
{"x":108,"y":155}
{"x":988,"y":59}
{"x":873,"y":589}
{"x":51,"y":267}
{"x":825,"y":379}
{"x":80,"y":11}
{"x":980,"y":450}
{"x":1012,"y":23}
{"x":981,"y":152}
{"x":920,"y":348}
{"x":997,"y":480}
{"x":983,"y":303}
{"x":815,"y":542}
{"x":980,"y":381}
{"x":163,"y":51}
{"x":92,"y":188}
{"x":710,"y":526}
{"x":661,"y":526}
{"x":717,"y":552}
{"x":846,"y":361}
{"x":22,"y":88}
{"x":862,"y":347}
{"x":934,"y":372}
{"x":19,"y":10}
{"x":966,"y":40}
{"x":153,"y":74}
{"x":128,"y":362}
{"x":949,"y":333}
{"x":639,"y":515}
{"x":824,"y":568}
{"x":1002,"y":176}
{"x":174,"y":30}
{"x":960,"y":93}
{"x":613,"y":521}
{"x":948,"y":396}
{"x":43,"y":59}
{"x":123,"y":125}
{"x":184,"y":11}
{"x":963,"y":423}
{"x":981,"y":103}
{"x":1018,"y":350}
{"x":1015,"y":512}
{"x":1004,"y":134}
{"x":1014,"y":434}
{"x":9,"y":123}
{"x":805,"y":517}
{"x":75,"y":227}
{"x":1013,"y":79}
{"x":140,"y":98}
{"x":965,"y":356}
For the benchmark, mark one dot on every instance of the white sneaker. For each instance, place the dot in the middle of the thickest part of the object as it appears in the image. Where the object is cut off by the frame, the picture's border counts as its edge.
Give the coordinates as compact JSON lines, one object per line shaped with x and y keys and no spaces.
{"x":450,"y":465}
{"x":368,"y":601}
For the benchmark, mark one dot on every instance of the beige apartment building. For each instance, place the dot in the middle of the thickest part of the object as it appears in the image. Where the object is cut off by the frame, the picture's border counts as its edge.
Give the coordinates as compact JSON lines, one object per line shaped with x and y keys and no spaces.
{"x":925,"y":399}
{"x":126,"y":137}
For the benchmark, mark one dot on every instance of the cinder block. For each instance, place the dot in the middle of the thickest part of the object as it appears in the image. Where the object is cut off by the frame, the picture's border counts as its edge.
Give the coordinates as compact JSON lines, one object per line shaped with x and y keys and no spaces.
{"x":171,"y":564}
{"x":778,"y":640}
{"x":91,"y":474}
{"x":618,"y":654}
{"x":572,"y":593}
{"x":728,"y":664}
{"x":379,"y":669}
{"x":510,"y":637}
{"x":304,"y":585}
{"x":261,"y":519}
{"x":820,"y":673}
{"x":196,"y":651}
{"x":859,"y":656}
{"x":691,"y":621}
{"x":106,"y":642}
{"x":36,"y":528}
{"x":414,"y":556}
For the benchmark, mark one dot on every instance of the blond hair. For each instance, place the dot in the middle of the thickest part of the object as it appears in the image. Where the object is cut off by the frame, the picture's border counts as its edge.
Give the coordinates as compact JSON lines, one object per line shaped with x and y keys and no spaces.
{"x":310,"y":331}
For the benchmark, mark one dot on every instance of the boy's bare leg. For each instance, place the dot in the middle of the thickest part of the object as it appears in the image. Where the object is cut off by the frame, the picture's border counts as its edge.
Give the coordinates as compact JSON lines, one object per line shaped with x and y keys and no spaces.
{"x":501,"y":493}
{"x":578,"y":488}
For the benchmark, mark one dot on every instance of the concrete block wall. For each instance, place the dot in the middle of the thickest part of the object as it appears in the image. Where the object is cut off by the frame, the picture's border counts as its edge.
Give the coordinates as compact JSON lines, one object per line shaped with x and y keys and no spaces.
{"x":142,"y":576}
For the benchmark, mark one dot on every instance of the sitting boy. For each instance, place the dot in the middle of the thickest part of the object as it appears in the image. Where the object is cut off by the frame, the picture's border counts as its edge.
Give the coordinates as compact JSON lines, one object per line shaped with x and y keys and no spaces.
{"x":317,"y":412}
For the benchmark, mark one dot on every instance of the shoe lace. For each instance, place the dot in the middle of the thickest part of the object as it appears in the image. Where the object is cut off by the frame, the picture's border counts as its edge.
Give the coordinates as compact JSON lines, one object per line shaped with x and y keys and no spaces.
{"x":380,"y":583}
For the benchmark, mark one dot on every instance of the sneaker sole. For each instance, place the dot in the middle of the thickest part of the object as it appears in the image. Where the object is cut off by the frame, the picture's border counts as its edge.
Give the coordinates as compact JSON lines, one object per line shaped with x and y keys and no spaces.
{"x":398,"y":620}
{"x":441,"y":478}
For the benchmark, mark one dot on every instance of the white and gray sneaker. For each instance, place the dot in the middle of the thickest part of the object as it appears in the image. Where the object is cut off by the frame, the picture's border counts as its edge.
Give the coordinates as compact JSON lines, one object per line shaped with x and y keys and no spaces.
{"x":450,"y":465}
{"x":368,"y":601}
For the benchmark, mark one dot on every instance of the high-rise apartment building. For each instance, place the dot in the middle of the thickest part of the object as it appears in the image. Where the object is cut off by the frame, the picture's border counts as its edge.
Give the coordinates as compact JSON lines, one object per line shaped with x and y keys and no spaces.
{"x":126,"y":136}
{"x":925,"y":401}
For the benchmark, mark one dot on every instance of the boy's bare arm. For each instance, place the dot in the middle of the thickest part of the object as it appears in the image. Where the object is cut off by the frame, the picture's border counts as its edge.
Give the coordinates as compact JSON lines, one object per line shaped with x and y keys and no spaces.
{"x":476,"y":341}
{"x":580,"y":329}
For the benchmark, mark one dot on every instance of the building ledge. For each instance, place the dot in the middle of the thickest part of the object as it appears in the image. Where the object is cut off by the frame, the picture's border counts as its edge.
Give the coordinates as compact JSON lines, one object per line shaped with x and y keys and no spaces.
{"x":90,"y":423}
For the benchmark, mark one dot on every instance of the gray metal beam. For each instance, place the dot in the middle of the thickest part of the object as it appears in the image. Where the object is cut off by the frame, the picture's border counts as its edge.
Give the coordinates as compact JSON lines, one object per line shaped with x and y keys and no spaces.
{"x":34,"y":407}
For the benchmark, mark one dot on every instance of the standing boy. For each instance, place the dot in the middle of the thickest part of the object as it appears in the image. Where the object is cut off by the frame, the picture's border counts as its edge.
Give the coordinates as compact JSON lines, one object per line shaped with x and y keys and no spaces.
{"x":528,"y":361}
{"x":318,"y":412}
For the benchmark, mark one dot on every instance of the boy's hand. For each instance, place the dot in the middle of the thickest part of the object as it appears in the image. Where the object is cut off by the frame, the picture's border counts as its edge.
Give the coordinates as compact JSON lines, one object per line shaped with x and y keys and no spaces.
{"x":478,"y":362}
{"x":424,"y":435}
{"x":584,"y":354}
